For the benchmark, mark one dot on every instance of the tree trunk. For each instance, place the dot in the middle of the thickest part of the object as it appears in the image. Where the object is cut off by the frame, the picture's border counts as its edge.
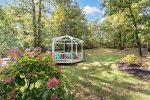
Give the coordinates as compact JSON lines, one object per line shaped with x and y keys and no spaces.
{"x":132,"y":44}
{"x":124,"y":41}
{"x":120,"y":41}
{"x":148,"y":46}
{"x":136,"y":31}
{"x":39,"y":24}
{"x":34,"y":23}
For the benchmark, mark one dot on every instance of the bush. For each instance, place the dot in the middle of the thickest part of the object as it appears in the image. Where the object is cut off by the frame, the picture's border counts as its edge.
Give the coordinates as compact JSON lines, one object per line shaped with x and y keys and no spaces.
{"x":32,"y":76}
{"x":146,"y":62}
{"x":131,"y":59}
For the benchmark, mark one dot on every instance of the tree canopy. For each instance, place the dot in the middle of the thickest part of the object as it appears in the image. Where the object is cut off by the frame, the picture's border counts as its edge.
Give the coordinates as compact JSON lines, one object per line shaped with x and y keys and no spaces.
{"x":33,"y":23}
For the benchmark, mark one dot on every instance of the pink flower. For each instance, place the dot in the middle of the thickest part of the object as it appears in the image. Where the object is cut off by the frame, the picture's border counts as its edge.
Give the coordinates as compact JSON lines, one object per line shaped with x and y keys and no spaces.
{"x":1,"y":62}
{"x":9,"y":79}
{"x":38,"y":58}
{"x":48,"y":52}
{"x":38,"y":49}
{"x":52,"y":83}
{"x":32,"y":54}
{"x":15,"y":53}
{"x":52,"y":63}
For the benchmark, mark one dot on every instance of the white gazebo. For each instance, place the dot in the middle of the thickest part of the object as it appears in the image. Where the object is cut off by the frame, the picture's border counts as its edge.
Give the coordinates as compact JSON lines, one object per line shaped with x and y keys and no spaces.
{"x":67,"y":49}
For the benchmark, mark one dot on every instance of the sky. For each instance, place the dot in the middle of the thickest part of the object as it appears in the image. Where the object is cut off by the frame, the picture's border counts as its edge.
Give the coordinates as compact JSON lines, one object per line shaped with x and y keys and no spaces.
{"x":91,"y":8}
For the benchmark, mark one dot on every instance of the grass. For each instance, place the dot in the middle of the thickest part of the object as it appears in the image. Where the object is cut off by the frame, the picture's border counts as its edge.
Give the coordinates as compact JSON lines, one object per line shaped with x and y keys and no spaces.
{"x":98,"y":77}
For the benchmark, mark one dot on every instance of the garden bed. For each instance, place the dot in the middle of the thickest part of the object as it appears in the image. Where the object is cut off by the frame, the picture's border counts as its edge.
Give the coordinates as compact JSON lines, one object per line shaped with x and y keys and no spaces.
{"x":142,"y":72}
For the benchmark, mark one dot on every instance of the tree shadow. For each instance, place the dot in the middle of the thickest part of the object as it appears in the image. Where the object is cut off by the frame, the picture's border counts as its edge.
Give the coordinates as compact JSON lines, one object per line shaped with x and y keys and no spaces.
{"x":115,"y":89}
{"x":137,"y":71}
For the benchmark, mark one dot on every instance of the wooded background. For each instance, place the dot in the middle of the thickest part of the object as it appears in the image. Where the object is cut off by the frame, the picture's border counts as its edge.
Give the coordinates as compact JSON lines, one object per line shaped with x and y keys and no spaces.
{"x":33,"y":23}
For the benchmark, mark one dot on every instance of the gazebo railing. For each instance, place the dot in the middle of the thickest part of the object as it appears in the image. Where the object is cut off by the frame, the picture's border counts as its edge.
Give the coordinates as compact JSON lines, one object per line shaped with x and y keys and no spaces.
{"x":59,"y":56}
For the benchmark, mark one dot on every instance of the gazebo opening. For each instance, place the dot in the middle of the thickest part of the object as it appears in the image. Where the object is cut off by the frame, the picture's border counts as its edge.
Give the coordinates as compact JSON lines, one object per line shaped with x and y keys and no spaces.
{"x":67,"y":49}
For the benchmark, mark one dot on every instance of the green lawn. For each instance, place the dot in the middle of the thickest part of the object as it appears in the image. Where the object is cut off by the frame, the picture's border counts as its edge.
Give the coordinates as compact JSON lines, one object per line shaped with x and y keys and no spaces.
{"x":98,"y":77}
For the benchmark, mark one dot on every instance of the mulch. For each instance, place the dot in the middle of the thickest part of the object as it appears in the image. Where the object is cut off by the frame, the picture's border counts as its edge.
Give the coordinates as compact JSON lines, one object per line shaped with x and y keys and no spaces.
{"x":141,"y":72}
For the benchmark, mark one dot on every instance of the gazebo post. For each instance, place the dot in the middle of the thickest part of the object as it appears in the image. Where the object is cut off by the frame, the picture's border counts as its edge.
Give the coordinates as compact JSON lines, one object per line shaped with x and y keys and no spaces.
{"x":53,"y":48}
{"x":76,"y":48}
{"x":82,"y":51}
{"x":72,"y":49}
{"x":64,"y":47}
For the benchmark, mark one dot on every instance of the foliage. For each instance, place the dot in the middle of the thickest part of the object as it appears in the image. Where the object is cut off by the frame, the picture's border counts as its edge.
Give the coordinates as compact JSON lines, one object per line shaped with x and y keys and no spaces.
{"x":146,"y":63}
{"x":92,"y":38}
{"x":32,"y":76}
{"x":135,"y":60}
{"x":58,"y":18}
{"x":131,"y":59}
{"x":24,"y":23}
{"x":129,"y":26}
{"x":68,"y":18}
{"x":7,"y":30}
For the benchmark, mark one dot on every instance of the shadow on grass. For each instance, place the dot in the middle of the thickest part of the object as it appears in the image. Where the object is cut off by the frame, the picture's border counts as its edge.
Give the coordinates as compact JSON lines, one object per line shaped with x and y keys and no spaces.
{"x":91,"y":76}
{"x":97,"y":76}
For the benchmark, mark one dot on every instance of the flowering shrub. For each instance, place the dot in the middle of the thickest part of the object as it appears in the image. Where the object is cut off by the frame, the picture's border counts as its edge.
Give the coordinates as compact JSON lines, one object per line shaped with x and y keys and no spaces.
{"x":1,"y":62}
{"x":146,"y":62}
{"x":52,"y":83}
{"x":132,"y":59}
{"x":31,"y":76}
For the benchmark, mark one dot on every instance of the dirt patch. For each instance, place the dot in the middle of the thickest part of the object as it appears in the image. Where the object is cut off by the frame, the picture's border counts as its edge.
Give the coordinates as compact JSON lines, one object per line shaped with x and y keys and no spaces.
{"x":141,"y":72}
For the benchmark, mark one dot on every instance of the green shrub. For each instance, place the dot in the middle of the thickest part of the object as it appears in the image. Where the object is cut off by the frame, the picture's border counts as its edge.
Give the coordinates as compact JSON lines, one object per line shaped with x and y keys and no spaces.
{"x":32,"y":77}
{"x":132,"y":59}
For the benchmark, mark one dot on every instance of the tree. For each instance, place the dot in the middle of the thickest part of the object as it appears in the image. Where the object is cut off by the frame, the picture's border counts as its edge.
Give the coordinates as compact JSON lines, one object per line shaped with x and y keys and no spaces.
{"x":127,"y":7}
{"x":39,"y":24}
{"x":68,"y":18}
{"x":8,"y":32}
{"x":114,"y":30}
{"x":36,"y":11}
{"x":34,"y":23}
{"x":93,"y":36}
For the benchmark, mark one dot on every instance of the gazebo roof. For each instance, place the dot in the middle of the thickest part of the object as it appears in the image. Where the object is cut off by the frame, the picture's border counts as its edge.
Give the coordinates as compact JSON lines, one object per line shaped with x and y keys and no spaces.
{"x":67,"y":38}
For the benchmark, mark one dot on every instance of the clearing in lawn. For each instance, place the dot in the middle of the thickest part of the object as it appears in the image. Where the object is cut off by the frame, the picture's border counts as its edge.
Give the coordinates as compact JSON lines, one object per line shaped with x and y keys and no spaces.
{"x":97,"y":77}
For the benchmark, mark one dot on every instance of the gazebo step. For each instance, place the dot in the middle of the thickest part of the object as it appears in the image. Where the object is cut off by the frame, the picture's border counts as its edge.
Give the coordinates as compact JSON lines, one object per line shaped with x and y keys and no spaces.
{"x":69,"y":61}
